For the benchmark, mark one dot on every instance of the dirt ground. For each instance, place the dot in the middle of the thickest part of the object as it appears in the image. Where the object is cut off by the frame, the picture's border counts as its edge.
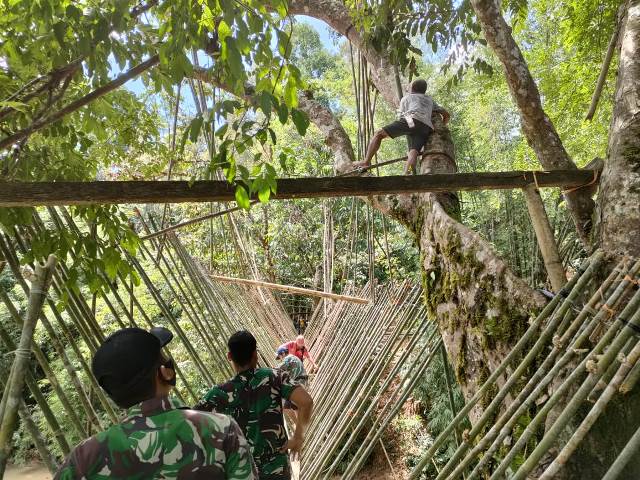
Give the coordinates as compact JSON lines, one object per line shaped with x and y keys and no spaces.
{"x":27,"y":472}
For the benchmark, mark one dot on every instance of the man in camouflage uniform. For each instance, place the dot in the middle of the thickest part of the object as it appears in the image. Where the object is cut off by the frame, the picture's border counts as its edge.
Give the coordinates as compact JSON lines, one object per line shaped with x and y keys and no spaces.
{"x":292,"y":366}
{"x":159,"y":437}
{"x":254,"y":399}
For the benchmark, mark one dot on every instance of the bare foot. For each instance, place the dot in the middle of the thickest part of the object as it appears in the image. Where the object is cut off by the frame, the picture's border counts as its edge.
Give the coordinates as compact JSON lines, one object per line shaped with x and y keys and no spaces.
{"x":410,"y":168}
{"x":362,"y":164}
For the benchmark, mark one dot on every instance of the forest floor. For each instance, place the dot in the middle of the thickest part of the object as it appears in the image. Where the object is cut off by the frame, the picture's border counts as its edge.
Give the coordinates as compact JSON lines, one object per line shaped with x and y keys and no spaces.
{"x":34,"y":471}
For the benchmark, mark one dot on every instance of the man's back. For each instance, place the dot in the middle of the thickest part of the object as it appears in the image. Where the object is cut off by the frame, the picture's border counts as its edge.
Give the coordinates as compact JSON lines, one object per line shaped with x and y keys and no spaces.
{"x":254,"y":399}
{"x":420,"y":106}
{"x":293,"y":367}
{"x":160,"y":438}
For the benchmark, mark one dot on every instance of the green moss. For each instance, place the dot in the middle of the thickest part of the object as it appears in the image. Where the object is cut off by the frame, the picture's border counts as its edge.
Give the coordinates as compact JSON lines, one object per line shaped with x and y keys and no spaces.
{"x":492,"y":319}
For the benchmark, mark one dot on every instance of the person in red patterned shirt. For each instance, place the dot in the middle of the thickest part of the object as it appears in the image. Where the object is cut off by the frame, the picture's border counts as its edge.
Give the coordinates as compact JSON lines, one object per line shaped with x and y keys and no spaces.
{"x":298,"y":348}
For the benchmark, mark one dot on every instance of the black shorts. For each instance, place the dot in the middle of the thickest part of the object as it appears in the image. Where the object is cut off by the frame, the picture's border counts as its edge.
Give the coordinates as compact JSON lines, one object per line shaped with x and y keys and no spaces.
{"x":416,"y":137}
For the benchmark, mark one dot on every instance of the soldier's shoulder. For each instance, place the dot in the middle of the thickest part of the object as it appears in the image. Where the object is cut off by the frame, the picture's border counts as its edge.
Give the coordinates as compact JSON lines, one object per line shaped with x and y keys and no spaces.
{"x":221,"y":390}
{"x":93,"y":450}
{"x":267,"y":373}
{"x":212,"y":420}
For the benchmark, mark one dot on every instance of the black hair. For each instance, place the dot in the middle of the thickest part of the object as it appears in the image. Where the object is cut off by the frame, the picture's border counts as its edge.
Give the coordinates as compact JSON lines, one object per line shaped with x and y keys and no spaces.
{"x":242,"y":345}
{"x":419,"y":86}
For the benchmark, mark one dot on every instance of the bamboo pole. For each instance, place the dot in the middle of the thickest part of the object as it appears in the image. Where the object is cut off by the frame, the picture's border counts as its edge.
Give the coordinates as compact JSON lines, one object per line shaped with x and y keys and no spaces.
{"x":452,"y":404}
{"x":13,"y":392}
{"x":595,"y":412}
{"x":603,"y":362}
{"x":546,"y":240}
{"x":32,"y":385}
{"x":38,"y":440}
{"x":532,"y":332}
{"x":539,"y":381}
{"x":628,"y":452}
{"x":291,"y":289}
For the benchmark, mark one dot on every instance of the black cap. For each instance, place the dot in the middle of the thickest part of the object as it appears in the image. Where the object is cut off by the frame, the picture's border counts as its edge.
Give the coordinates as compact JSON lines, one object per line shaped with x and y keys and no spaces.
{"x":125,"y":360}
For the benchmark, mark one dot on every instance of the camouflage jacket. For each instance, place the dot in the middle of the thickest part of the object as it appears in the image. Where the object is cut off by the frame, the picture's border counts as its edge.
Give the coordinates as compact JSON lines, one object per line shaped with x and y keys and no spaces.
{"x":161,"y":438}
{"x":254,"y":399}
{"x":293,"y":367}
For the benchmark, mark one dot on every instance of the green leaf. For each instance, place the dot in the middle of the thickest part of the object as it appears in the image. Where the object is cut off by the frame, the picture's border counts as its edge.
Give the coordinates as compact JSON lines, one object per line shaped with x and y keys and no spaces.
{"x":183,"y":139}
{"x":60,"y":30}
{"x":224,"y":31}
{"x":300,"y":120}
{"x":194,"y":128}
{"x":291,"y":93}
{"x":265,"y":104}
{"x":264,"y":193}
{"x":273,"y":135}
{"x":21,"y":107}
{"x":234,"y":59}
{"x":242,"y":198}
{"x":283,"y":113}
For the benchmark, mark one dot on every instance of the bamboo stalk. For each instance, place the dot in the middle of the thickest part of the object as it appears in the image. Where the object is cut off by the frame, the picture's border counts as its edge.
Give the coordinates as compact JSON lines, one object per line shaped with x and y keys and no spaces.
{"x":38,"y":292}
{"x":628,"y":452}
{"x":32,"y":385}
{"x":289,"y":288}
{"x":537,"y":383}
{"x":544,"y":234}
{"x":593,"y":415}
{"x":551,"y":434}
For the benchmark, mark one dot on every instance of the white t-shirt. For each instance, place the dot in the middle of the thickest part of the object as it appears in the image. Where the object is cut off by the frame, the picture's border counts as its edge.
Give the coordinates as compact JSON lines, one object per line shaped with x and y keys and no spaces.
{"x":419,"y":106}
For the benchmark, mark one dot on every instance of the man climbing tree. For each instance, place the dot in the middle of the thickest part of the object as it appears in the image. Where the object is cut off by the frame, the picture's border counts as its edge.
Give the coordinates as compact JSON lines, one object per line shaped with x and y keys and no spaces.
{"x":414,"y":122}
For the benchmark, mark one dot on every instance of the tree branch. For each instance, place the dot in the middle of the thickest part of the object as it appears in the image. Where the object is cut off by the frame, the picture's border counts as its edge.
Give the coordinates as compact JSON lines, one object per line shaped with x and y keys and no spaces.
{"x":79,"y":103}
{"x":538,"y":129}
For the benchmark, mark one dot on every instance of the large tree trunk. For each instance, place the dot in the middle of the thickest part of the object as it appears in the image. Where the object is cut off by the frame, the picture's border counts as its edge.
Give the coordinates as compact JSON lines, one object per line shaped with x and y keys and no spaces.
{"x":480,"y":305}
{"x":618,"y":235}
{"x":619,"y":200}
{"x":536,"y":125}
{"x":336,"y":15}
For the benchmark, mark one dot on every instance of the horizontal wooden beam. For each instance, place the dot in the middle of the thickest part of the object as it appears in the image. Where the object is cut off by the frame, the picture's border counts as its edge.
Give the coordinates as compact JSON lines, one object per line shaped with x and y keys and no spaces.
{"x":24,"y":194}
{"x":290,"y":289}
{"x":192,"y":221}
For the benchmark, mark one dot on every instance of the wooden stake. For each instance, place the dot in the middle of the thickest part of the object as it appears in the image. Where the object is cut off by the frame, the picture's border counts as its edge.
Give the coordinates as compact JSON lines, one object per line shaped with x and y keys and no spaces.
{"x":291,"y":289}
{"x":544,"y":234}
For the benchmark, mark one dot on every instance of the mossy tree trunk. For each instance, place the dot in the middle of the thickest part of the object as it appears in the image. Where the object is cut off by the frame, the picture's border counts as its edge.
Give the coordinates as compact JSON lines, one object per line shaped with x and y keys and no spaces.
{"x":619,"y":202}
{"x":479,"y":303}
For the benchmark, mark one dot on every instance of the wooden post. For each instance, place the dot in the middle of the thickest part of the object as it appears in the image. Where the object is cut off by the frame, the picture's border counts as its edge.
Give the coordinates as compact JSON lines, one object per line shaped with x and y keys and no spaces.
{"x":544,"y":234}
{"x":13,"y":392}
{"x":452,"y":403}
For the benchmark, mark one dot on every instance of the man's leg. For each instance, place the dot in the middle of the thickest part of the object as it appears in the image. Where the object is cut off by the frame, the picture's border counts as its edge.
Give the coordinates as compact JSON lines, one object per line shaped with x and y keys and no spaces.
{"x":373,"y":147}
{"x":412,"y":160}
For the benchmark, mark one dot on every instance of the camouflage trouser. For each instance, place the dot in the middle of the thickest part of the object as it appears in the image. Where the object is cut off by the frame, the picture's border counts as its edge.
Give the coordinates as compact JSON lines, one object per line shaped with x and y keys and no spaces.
{"x":274,"y":467}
